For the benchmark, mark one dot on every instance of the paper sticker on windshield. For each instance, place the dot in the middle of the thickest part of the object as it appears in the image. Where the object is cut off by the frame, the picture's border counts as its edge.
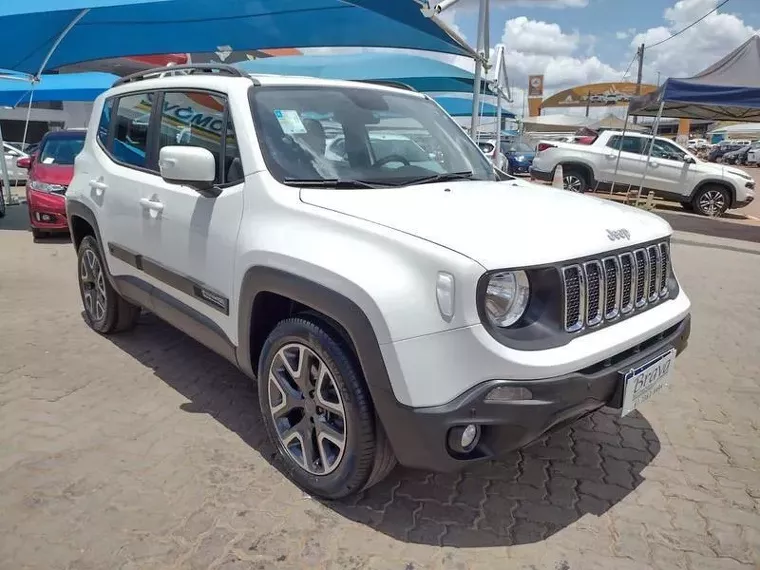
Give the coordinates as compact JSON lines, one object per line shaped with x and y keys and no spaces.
{"x":290,"y":121}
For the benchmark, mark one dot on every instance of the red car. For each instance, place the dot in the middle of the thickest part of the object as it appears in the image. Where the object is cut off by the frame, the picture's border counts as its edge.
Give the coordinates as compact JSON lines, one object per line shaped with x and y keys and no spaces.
{"x":51,"y":169}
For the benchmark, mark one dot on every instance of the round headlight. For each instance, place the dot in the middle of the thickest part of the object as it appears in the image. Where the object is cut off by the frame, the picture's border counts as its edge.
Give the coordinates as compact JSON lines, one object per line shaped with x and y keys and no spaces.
{"x":507,"y":297}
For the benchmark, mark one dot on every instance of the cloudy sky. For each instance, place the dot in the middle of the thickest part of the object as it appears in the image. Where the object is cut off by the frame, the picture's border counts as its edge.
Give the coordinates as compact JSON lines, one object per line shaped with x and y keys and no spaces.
{"x":584,"y":41}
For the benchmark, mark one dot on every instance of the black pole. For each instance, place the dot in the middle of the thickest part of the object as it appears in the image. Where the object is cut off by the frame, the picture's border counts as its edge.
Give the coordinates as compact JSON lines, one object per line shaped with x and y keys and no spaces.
{"x":640,"y":54}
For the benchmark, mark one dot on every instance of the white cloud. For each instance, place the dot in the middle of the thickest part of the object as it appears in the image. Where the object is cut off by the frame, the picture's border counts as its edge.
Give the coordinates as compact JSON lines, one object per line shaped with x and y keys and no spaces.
{"x":625,"y":34}
{"x":538,"y":38}
{"x":536,"y":47}
{"x":696,"y":48}
{"x":473,"y":4}
{"x":449,"y":17}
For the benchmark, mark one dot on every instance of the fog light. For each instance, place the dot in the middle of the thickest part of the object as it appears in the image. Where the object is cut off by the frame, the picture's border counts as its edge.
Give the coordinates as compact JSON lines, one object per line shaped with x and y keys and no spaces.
{"x":463,"y":439}
{"x":508,"y":394}
{"x":468,"y":436}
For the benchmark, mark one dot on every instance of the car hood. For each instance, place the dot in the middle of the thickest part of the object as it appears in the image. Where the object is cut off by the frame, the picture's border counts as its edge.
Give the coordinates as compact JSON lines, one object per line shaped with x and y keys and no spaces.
{"x":53,"y":173}
{"x":720,"y":169}
{"x":497,"y":224}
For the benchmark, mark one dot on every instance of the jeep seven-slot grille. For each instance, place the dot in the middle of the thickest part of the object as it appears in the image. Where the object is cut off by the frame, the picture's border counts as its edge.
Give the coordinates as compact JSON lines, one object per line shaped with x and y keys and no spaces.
{"x":599,"y":290}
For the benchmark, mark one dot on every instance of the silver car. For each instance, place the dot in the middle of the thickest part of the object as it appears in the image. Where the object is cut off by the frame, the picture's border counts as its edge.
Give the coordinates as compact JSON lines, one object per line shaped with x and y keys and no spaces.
{"x":12,"y":154}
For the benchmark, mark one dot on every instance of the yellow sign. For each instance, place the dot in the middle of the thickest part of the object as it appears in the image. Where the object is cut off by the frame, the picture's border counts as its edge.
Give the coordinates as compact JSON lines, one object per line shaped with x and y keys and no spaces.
{"x":596,"y":95}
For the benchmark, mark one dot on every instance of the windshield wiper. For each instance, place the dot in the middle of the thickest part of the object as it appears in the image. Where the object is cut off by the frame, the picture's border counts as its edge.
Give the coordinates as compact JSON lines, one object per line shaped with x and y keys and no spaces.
{"x":330,"y":183}
{"x":445,"y":177}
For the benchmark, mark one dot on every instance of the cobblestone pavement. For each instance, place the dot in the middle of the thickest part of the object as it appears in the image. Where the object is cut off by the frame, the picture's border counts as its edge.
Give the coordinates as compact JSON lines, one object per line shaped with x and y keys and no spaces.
{"x":145,"y":451}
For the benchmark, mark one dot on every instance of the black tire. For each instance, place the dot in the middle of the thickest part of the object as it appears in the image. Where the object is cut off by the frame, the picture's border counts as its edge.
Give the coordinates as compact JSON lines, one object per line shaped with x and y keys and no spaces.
{"x":366,"y":457}
{"x":2,"y":202}
{"x":105,"y":311}
{"x":38,"y":233}
{"x":711,"y":200}
{"x":574,"y":180}
{"x":688,"y":206}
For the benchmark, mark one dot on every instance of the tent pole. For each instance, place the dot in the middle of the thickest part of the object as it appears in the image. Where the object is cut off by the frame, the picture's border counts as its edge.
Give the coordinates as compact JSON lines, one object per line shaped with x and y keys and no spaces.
{"x":6,"y":178}
{"x":655,"y":127}
{"x":620,"y":150}
{"x":60,"y":38}
{"x":28,"y":115}
{"x":481,"y":49}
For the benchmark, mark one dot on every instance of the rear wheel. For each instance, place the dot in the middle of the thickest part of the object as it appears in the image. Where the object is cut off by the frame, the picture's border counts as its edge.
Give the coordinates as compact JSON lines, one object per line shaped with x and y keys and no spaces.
{"x":575,"y":180}
{"x":317,"y":411}
{"x":104,"y":309}
{"x":711,"y":201}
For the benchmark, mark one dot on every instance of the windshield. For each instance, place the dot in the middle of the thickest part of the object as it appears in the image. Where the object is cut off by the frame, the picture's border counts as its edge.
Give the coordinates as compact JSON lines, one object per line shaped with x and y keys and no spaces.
{"x":516,"y":147}
{"x":61,"y":150}
{"x":324,"y":135}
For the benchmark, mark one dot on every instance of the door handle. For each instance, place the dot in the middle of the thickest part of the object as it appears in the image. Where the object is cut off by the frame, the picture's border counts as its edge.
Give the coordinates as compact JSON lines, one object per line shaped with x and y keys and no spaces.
{"x":654,"y":164}
{"x":98,"y":185}
{"x":611,"y":156}
{"x":154,"y":205}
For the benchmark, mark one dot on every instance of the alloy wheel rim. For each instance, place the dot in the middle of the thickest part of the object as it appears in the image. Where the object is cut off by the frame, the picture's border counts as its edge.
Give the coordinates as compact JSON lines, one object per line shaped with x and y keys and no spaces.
{"x":307,"y":409}
{"x":572,"y":183}
{"x":712,"y":202}
{"x":93,"y":286}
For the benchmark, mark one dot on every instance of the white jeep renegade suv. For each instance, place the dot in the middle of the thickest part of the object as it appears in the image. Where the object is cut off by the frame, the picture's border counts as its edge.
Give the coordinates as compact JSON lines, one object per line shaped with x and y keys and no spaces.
{"x":390,"y":310}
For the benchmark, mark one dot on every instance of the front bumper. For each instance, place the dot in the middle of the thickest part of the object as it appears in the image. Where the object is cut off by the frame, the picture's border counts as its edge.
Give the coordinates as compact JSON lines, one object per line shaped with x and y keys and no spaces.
{"x":509,"y":425}
{"x":743,"y":203}
{"x":46,"y":211}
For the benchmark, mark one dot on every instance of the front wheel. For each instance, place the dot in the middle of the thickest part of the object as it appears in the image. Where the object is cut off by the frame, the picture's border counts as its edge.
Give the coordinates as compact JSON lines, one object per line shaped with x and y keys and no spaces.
{"x":711,"y":201}
{"x":317,"y":411}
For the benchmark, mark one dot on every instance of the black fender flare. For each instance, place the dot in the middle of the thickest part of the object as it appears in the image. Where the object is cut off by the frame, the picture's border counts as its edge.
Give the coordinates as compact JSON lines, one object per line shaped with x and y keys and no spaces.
{"x":337,"y":307}
{"x":718,"y":182}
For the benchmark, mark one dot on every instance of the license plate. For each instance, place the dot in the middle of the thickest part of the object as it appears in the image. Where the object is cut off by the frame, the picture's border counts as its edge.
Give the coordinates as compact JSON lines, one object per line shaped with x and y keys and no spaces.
{"x":645,"y":381}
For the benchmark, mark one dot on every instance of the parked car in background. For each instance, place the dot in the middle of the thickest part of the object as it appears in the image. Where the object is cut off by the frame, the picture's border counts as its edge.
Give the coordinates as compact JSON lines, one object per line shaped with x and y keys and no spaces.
{"x":738,"y":156}
{"x":16,"y":174}
{"x":673,"y":172}
{"x":50,"y":170}
{"x":488,"y":147}
{"x":721,"y":149}
{"x":519,"y":157}
{"x":753,"y":156}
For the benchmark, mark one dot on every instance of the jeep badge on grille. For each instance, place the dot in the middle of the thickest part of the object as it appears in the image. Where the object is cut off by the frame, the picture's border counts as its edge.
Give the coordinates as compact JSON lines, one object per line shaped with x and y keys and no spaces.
{"x":615,"y":235}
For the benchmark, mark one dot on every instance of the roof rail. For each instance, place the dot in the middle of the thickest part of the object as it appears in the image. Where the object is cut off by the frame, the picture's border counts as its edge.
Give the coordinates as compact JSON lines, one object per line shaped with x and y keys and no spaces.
{"x":189,"y":68}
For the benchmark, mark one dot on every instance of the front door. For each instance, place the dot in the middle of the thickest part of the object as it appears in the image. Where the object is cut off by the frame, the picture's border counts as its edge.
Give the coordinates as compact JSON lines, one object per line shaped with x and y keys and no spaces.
{"x":190,"y":239}
{"x":668,"y":171}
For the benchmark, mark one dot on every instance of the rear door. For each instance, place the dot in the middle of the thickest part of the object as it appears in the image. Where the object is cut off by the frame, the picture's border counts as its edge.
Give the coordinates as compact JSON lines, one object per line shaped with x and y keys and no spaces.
{"x":122,"y":167}
{"x":630,"y":166}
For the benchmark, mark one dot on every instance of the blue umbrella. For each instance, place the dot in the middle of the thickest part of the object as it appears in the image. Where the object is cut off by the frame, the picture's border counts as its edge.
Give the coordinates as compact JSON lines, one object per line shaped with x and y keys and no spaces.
{"x":65,"y":87}
{"x":46,"y":34}
{"x":418,"y":72}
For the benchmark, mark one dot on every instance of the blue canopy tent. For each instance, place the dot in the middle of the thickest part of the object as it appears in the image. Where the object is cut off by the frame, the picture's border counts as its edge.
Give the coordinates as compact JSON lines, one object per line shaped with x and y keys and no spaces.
{"x":46,"y":34}
{"x":65,"y":87}
{"x":418,"y":72}
{"x":728,"y":90}
{"x":461,"y":107}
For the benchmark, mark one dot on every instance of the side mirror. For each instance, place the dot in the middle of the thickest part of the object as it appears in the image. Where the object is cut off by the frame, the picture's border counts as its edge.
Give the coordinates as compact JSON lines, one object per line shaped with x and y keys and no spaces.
{"x":193,"y":166}
{"x":24,"y":162}
{"x":689,"y":159}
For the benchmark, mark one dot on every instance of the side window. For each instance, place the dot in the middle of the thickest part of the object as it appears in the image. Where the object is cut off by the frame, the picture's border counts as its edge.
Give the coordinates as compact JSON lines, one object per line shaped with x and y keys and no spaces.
{"x":194,"y":118}
{"x":130,"y":142}
{"x":663,"y":149}
{"x":104,"y":126}
{"x":629,"y":144}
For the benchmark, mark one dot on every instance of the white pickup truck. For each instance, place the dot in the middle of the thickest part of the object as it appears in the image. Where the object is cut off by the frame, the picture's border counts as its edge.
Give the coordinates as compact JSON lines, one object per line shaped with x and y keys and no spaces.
{"x":674,"y":173}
